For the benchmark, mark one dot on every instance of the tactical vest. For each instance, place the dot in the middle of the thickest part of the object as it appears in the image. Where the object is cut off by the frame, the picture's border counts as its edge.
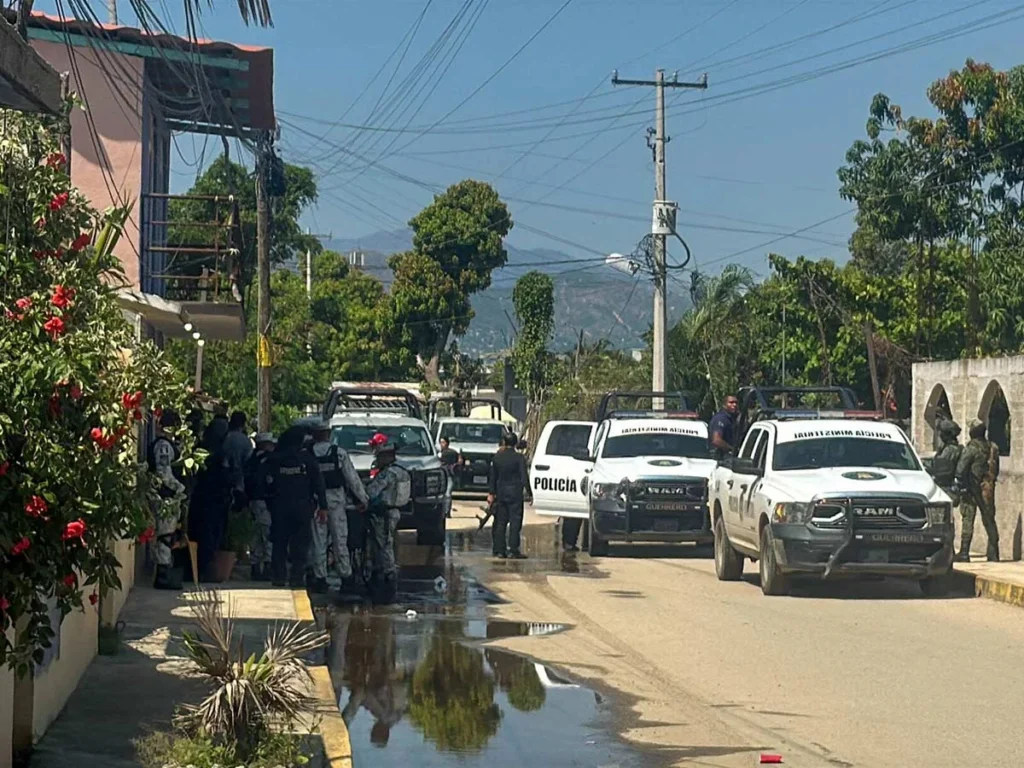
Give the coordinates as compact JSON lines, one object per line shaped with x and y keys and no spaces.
{"x":404,"y":490}
{"x":330,"y":468}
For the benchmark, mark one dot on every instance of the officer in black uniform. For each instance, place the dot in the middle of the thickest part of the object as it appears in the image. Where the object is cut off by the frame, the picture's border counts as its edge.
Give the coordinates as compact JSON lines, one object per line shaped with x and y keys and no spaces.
{"x":296,"y":490}
{"x":509,"y":487}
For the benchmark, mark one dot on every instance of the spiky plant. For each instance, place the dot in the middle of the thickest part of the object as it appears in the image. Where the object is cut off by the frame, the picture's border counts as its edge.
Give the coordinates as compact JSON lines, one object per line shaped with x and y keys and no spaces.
{"x":251,"y":694}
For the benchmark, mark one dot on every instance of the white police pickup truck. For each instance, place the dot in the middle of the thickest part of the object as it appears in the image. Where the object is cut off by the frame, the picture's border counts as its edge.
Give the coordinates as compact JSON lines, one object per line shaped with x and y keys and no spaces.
{"x":635,"y":475}
{"x":825,"y":494}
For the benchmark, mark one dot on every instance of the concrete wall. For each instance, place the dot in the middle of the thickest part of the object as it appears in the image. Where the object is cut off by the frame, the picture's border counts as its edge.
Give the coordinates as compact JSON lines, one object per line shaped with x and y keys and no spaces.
{"x":53,"y":685}
{"x":970,"y":386}
{"x":112,"y":603}
{"x":6,"y":716}
{"x":108,"y":171}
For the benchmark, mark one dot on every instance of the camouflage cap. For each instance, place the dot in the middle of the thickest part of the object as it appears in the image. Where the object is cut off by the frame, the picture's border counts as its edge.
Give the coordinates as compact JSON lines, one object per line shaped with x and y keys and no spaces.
{"x":949,"y":428}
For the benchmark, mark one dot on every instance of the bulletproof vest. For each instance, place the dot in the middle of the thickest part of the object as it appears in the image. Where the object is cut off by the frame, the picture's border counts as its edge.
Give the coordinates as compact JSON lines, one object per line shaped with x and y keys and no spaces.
{"x":403,"y":491}
{"x":330,"y":468}
{"x":944,"y":464}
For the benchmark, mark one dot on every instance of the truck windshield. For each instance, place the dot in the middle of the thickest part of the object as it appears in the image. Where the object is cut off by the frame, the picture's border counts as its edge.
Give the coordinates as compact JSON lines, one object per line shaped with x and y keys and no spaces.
{"x":355,"y":438}
{"x":843,"y":452}
{"x":464,"y":432}
{"x":656,"y":444}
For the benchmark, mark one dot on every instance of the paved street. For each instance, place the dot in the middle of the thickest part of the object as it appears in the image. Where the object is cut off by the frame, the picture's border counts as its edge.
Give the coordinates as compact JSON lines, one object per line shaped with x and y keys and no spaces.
{"x":712,"y":673}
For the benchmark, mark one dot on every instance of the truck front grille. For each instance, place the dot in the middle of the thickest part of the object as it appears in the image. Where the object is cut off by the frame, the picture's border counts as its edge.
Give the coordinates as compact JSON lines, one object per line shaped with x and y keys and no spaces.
{"x":870,"y":513}
{"x":689,"y":489}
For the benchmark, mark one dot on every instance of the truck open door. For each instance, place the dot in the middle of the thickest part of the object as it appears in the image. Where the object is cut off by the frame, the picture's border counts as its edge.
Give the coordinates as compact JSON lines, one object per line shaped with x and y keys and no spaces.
{"x":560,"y":464}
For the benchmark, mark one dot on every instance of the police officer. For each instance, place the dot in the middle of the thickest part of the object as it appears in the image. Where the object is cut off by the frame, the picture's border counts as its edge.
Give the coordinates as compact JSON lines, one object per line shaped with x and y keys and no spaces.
{"x":294,"y":480}
{"x":163,"y":458}
{"x":388,"y":491}
{"x":977,"y":470}
{"x":344,"y":489}
{"x":509,"y":487}
{"x":255,"y":472}
{"x":722,"y":428}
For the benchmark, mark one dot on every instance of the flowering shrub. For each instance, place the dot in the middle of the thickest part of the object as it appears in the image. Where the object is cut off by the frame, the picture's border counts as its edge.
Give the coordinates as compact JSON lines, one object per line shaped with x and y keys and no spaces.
{"x":76,"y":390}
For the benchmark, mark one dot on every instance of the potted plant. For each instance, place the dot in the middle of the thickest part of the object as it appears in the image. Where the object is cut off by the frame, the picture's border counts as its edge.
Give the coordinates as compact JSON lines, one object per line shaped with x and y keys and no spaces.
{"x":237,"y":534}
{"x":255,"y":704}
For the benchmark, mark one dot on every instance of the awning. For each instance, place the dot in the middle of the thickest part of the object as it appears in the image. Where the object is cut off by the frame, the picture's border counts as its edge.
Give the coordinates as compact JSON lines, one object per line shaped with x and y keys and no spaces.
{"x":224,"y":322}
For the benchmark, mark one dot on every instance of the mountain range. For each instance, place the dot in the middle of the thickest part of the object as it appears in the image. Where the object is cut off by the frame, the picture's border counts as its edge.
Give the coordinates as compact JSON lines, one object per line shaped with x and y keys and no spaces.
{"x":590,"y":298}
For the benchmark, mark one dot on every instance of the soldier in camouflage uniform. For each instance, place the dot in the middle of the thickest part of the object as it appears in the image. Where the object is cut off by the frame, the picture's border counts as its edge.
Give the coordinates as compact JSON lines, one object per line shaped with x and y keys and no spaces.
{"x":976,"y":471}
{"x":945,"y":463}
{"x":388,"y":491}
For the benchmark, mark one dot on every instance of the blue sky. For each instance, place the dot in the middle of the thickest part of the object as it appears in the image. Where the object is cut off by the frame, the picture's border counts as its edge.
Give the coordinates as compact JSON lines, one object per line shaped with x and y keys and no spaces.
{"x":746,"y":154}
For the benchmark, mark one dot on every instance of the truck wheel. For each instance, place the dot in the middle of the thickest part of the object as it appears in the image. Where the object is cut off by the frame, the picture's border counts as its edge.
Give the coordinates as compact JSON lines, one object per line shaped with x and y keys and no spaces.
{"x":598,"y":544}
{"x":431,"y":534}
{"x":773,"y":580}
{"x":728,"y":562}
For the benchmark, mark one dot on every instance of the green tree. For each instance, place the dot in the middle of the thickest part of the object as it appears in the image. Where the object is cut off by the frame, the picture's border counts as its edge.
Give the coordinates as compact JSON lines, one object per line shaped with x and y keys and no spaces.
{"x":76,"y":389}
{"x":533,"y":298}
{"x":458,"y":240}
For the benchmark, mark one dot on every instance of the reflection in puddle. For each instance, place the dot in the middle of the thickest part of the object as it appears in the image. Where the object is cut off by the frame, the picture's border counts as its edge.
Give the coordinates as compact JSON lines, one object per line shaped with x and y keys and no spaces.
{"x":421,"y":692}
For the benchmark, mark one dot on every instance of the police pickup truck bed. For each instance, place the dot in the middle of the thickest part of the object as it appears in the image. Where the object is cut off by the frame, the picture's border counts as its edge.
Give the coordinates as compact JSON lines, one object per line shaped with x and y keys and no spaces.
{"x":825,"y":494}
{"x":636,"y":475}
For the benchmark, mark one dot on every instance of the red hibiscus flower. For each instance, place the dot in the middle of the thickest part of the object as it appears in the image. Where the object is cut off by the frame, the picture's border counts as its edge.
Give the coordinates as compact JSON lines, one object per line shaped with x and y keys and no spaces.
{"x":158,"y":413}
{"x":59,"y":201}
{"x":54,"y":326}
{"x":36,"y":507}
{"x":13,"y":316}
{"x":131,"y":401}
{"x":76,"y":392}
{"x":69,"y":580}
{"x":62,"y":297}
{"x":93,"y":598}
{"x":24,"y":302}
{"x":74,"y":530}
{"x":40,"y":255}
{"x":57,"y":253}
{"x":81,"y":241}
{"x":103,"y":440}
{"x":147,"y":535}
{"x":21,"y":546}
{"x":56,"y":160}
{"x":4,"y":467}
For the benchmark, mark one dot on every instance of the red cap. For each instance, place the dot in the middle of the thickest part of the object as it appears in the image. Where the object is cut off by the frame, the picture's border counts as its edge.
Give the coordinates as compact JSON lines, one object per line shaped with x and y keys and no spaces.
{"x":378,"y":441}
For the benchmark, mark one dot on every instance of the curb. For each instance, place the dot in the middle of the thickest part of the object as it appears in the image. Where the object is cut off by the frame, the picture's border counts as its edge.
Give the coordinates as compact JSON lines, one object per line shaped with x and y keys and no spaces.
{"x":333,"y":731}
{"x":983,"y":586}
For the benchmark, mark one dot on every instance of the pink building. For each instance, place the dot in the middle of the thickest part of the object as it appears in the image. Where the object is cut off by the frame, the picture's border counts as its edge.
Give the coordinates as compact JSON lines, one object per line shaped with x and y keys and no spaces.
{"x":140,"y":89}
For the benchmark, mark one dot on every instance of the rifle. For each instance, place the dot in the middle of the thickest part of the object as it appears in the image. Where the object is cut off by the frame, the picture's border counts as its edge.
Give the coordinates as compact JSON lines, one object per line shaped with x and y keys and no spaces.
{"x":489,"y":510}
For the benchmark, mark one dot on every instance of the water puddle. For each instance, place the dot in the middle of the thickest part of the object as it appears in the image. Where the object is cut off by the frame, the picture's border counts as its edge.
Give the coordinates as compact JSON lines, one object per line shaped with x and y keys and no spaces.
{"x":424,"y":692}
{"x":540,"y":543}
{"x":417,"y":685}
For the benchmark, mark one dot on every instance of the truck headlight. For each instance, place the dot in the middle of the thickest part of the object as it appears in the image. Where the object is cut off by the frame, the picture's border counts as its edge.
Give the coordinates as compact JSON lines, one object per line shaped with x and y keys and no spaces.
{"x":792,"y":512}
{"x":938,"y":514}
{"x":434,"y":484}
{"x":608,"y":491}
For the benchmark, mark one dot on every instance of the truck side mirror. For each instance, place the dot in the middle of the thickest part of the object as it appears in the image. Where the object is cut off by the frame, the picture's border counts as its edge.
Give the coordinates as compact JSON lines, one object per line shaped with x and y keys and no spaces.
{"x":746,"y":467}
{"x":582,"y":454}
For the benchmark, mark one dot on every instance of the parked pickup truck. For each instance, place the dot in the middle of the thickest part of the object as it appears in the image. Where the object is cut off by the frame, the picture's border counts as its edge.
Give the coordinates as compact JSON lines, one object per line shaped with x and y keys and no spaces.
{"x":827,"y":494}
{"x":637,"y":475}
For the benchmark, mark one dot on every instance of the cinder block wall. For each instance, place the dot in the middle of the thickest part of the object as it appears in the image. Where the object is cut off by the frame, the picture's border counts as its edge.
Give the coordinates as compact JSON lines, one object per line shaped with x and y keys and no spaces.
{"x":970,"y":386}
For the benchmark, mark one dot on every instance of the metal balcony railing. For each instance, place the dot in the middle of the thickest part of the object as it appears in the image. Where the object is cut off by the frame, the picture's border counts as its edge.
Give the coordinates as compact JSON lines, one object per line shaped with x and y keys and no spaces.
{"x":191,"y":246}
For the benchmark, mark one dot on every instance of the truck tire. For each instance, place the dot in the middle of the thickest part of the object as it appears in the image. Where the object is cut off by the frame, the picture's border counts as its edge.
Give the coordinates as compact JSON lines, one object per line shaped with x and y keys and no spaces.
{"x":431,"y":533}
{"x":598,"y":544}
{"x":773,"y":581}
{"x":728,"y":562}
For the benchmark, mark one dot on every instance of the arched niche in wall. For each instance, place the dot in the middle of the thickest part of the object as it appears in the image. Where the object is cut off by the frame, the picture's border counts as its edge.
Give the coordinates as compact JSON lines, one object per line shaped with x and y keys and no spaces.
{"x":935,"y":410}
{"x":995,"y":412}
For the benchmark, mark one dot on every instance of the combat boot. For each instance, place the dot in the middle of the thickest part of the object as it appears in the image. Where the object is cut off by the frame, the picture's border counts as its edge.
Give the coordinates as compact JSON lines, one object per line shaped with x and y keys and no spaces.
{"x":962,"y":557}
{"x":993,"y":553}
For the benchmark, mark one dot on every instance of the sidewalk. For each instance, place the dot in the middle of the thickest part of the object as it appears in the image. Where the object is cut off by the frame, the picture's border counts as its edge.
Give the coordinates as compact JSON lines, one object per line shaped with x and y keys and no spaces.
{"x":1002,"y":581}
{"x":121,"y":698}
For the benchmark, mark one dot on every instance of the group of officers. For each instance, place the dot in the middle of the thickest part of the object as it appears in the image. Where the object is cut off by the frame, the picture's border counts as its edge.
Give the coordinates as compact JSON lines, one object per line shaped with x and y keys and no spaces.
{"x":306,"y":497}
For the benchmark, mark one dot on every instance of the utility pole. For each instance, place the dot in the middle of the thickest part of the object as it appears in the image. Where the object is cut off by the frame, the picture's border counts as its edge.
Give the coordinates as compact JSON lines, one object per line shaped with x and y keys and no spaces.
{"x":309,"y":260}
{"x":660,"y":276}
{"x":264,"y":154}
